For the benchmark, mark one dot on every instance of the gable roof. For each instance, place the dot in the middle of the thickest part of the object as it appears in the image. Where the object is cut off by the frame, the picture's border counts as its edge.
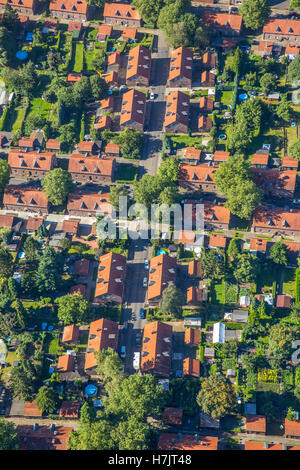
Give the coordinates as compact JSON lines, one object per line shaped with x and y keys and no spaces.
{"x":114,"y":58}
{"x":44,"y":161}
{"x":283,"y":301}
{"x":217,"y":240}
{"x":156,"y":349}
{"x":78,"y":289}
{"x":274,"y":179}
{"x":216,"y":213}
{"x":111,"y":275}
{"x":71,"y":6}
{"x":292,"y":428}
{"x":70,"y":333}
{"x":121,"y":11}
{"x":196,"y":173}
{"x":65,"y":363}
{"x":31,"y":409}
{"x":256,"y":423}
{"x":25,"y":197}
{"x":104,"y":30}
{"x":91,"y":165}
{"x":192,"y":336}
{"x":103,"y":334}
{"x":81,"y":267}
{"x":222,"y":20}
{"x":206,"y":103}
{"x":133,"y":107}
{"x":290,"y":162}
{"x":221,"y":156}
{"x":181,"y":64}
{"x":74,"y":77}
{"x":42,"y":438}
{"x":53,"y":144}
{"x":195,"y":268}
{"x":162,"y":272}
{"x":173,"y":415}
{"x":191,"y":153}
{"x":69,"y":409}
{"x":7,"y":220}
{"x":260,"y":159}
{"x":258,"y":244}
{"x":139,"y":62}
{"x":284,"y":26}
{"x":129,"y":33}
{"x":26,"y":142}
{"x":89,"y":202}
{"x":209,"y":58}
{"x":191,"y":367}
{"x":277,"y":218}
{"x":113,"y":148}
{"x":187,"y":442}
{"x":70,"y":226}
{"x":177,"y":108}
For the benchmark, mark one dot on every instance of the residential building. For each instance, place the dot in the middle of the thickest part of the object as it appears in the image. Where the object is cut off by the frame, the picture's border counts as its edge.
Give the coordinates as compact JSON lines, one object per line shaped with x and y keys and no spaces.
{"x":88,"y":204}
{"x":290,"y":163}
{"x":195,"y":269}
{"x":292,"y":428}
{"x":191,"y":155}
{"x":173,"y":416}
{"x":183,"y":442}
{"x":181,"y":68}
{"x":191,"y":367}
{"x":69,"y":410}
{"x":260,"y":160}
{"x":104,"y":31}
{"x":206,"y":105}
{"x":81,"y":267}
{"x":89,"y":147}
{"x":113,"y":63}
{"x":217,"y":240}
{"x":162,"y":273}
{"x":276,"y":220}
{"x":110,"y":278}
{"x":32,"y":224}
{"x":28,"y":143}
{"x":195,"y":295}
{"x":283,"y":301}
{"x":133,"y":110}
{"x":92,"y":169}
{"x":74,"y":77}
{"x":25,"y":199}
{"x":75,"y":10}
{"x":209,"y":60}
{"x":283,"y":30}
{"x":192,"y":336}
{"x":256,"y":424}
{"x":129,"y":34}
{"x":70,"y":227}
{"x":139,"y":66}
{"x":53,"y":145}
{"x":255,"y":445}
{"x":70,"y":334}
{"x":216,"y":216}
{"x":24,"y":7}
{"x":177,"y":112}
{"x":66,"y":363}
{"x":220,"y":156}
{"x":197,"y":178}
{"x":157,"y":349}
{"x":103,"y":334}
{"x":31,"y":165}
{"x":204,"y":124}
{"x":275,"y":183}
{"x":112,"y":150}
{"x":121,"y":14}
{"x":35,"y":437}
{"x":223,"y":24}
{"x":207,"y":79}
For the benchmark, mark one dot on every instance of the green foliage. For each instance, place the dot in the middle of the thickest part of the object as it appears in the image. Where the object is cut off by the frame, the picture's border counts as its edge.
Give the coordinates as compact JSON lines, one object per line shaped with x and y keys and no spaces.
{"x":47,"y":278}
{"x":255,"y":13}
{"x":9,"y":439}
{"x":246,"y":267}
{"x":131,"y":142}
{"x":267,"y":375}
{"x":172,"y":301}
{"x":5,"y":172}
{"x":279,"y":253}
{"x":281,"y":338}
{"x":294,"y":150}
{"x":5,"y":262}
{"x":217,"y":396}
{"x":73,"y":309}
{"x":57,"y":184}
{"x":213,"y":264}
{"x":294,"y":69}
{"x":47,"y":400}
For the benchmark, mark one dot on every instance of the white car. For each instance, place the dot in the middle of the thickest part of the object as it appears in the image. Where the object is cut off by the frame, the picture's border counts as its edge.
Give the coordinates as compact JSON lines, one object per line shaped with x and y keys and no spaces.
{"x":146,"y":264}
{"x":152,"y":96}
{"x":145,"y":282}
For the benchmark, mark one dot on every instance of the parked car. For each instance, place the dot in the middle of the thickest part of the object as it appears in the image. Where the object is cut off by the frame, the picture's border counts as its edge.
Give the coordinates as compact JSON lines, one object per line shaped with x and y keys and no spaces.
{"x":145,"y":282}
{"x":146,"y":264}
{"x":123,"y":352}
{"x":142,"y":314}
{"x":151,"y":96}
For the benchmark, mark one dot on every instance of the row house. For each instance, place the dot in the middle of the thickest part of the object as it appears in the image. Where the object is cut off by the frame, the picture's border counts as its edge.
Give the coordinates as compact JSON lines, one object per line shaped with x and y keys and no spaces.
{"x":261,"y":160}
{"x":106,"y":107}
{"x":187,"y":442}
{"x":197,"y":177}
{"x":133,"y":110}
{"x":191,"y":367}
{"x":276,"y":221}
{"x":75,"y":10}
{"x":103,"y":334}
{"x":70,"y":334}
{"x":191,"y":155}
{"x":216,"y":216}
{"x":139,"y":67}
{"x":89,"y":147}
{"x":208,"y":79}
{"x":275,"y":183}
{"x":88,"y":204}
{"x":289,"y":163}
{"x":162,"y":273}
{"x":223,"y":24}
{"x":206,"y":105}
{"x":204,"y":124}
{"x":31,"y":164}
{"x":94,"y":169}
{"x":24,"y":7}
{"x":157,"y":349}
{"x":177,"y":113}
{"x":111,"y":78}
{"x":113,"y":62}
{"x":181,"y":68}
{"x":104,"y":122}
{"x":209,"y":60}
{"x":285,"y":31}
{"x":121,"y":14}
{"x":111,"y":278}
{"x":104,"y":32}
{"x":25,"y":199}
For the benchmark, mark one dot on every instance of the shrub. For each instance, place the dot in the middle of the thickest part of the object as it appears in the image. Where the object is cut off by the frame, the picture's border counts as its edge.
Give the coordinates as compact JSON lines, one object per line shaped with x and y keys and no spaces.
{"x":267,"y":375}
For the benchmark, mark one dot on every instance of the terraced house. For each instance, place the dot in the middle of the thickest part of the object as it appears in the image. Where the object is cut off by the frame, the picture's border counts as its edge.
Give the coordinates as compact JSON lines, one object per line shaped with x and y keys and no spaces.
{"x":197,"y":177}
{"x":92,"y":168}
{"x":76,"y":10}
{"x":25,"y":199}
{"x":24,"y":7}
{"x":88,"y":204}
{"x":133,"y":110}
{"x":110,"y":278}
{"x":285,"y":31}
{"x":31,"y":164}
{"x":157,"y":349}
{"x":177,"y":112}
{"x":103,"y":334}
{"x":276,"y":220}
{"x":121,"y":14}
{"x":181,"y":68}
{"x":162,"y":273}
{"x":139,"y":66}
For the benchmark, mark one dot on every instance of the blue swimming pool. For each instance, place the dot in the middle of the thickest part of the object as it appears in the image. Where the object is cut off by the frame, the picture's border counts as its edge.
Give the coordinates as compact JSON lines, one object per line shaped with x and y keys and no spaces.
{"x":243,"y":97}
{"x":90,"y":390}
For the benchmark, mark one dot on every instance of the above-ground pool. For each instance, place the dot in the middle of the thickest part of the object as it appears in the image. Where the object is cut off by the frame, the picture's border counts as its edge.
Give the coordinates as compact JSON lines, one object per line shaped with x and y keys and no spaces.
{"x":222,"y":136}
{"x":90,"y":390}
{"x":243,"y":97}
{"x":22,"y":55}
{"x":161,"y":252}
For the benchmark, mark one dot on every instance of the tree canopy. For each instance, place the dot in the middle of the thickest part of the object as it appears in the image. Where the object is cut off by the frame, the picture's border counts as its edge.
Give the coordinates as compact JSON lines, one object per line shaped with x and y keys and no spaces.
{"x":172,"y":301}
{"x":255,"y":13}
{"x":217,"y":396}
{"x":57,"y":184}
{"x":73,"y":309}
{"x":9,"y":439}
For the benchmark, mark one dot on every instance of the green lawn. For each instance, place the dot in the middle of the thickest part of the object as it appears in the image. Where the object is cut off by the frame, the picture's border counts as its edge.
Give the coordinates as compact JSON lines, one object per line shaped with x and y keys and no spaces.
{"x":78,"y":65}
{"x":19,"y":118}
{"x":126,"y":172}
{"x":10,"y":358}
{"x":218,"y":293}
{"x":227,"y":97}
{"x":289,"y":282}
{"x":181,"y":141}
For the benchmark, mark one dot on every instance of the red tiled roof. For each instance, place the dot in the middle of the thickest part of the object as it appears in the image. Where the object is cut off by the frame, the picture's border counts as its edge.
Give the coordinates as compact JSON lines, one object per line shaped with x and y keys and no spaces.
{"x":70,"y":333}
{"x":209,"y":59}
{"x":70,"y":226}
{"x":81,"y":267}
{"x":44,"y":161}
{"x":258,"y":244}
{"x":7,"y":220}
{"x":104,"y":30}
{"x":26,"y":142}
{"x":290,"y":162}
{"x":194,"y":295}
{"x":139,"y":62}
{"x":292,"y":428}
{"x":65,"y":363}
{"x":205,"y":123}
{"x":196,"y":173}
{"x":162,"y":272}
{"x":216,"y":213}
{"x":103,"y":123}
{"x":187,"y":442}
{"x":273,"y":179}
{"x":133,"y":107}
{"x":74,"y":77}
{"x":192,"y":336}
{"x":256,"y":423}
{"x":191,"y":153}
{"x":53,"y":144}
{"x":282,"y":26}
{"x":283,"y":301}
{"x":15,"y":3}
{"x":208,"y":77}
{"x":69,"y":409}
{"x":114,"y":58}
{"x":222,"y":20}
{"x":89,"y":202}
{"x":177,"y":108}
{"x":181,"y":64}
{"x":218,"y":241}
{"x":113,"y":148}
{"x":74,"y":26}
{"x":185,"y":236}
{"x":252,"y":445}
{"x":91,"y":165}
{"x":292,"y":49}
{"x":111,"y":276}
{"x":276,"y":218}
{"x":42,"y":438}
{"x":156,"y":350}
{"x":33,"y":223}
{"x":191,"y":367}
{"x":25,"y":197}
{"x":120,"y":11}
{"x":70,"y":6}
{"x":129,"y":33}
{"x":221,"y":156}
{"x":173,"y":416}
{"x":103,"y":334}
{"x":206,"y":103}
{"x":195,"y":268}
{"x":31,"y":409}
{"x":260,"y":159}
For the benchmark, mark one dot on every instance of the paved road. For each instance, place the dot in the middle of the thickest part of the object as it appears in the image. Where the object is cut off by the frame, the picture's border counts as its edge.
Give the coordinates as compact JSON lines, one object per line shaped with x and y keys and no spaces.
{"x":22,"y":421}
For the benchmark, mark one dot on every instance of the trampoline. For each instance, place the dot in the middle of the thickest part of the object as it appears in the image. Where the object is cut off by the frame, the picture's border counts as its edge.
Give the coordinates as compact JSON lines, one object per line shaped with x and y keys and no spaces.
{"x":243,"y":97}
{"x":51,"y":370}
{"x":222,"y":136}
{"x":90,"y":390}
{"x":22,"y":55}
